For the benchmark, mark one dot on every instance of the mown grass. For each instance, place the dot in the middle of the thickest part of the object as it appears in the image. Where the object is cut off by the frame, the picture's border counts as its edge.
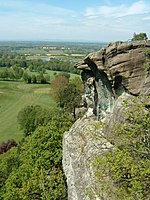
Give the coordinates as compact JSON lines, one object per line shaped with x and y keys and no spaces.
{"x":13,"y":97}
{"x":53,"y":74}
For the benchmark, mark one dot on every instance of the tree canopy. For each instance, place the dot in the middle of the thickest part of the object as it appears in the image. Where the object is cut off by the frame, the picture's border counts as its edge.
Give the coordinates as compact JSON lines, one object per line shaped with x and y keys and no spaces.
{"x":32,"y":116}
{"x":71,"y":98}
{"x":67,"y":94}
{"x":58,"y":85}
{"x":33,"y":169}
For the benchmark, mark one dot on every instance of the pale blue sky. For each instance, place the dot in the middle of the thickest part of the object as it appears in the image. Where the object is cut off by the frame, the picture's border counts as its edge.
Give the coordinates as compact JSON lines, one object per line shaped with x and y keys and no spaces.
{"x":75,"y":20}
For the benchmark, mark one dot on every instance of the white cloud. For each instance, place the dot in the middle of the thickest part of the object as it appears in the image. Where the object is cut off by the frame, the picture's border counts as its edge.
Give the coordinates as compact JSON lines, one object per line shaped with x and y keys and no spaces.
{"x":139,"y":7}
{"x":119,"y":21}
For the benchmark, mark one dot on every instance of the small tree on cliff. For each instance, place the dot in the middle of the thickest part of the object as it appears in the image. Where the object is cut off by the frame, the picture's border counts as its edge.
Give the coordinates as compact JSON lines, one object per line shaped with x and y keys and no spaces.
{"x":127,"y":164}
{"x":139,"y":36}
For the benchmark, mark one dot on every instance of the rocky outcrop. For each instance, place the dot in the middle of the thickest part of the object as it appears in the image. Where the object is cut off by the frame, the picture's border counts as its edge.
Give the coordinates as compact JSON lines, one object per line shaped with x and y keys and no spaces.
{"x":121,"y":67}
{"x":79,"y":150}
{"x":117,"y":72}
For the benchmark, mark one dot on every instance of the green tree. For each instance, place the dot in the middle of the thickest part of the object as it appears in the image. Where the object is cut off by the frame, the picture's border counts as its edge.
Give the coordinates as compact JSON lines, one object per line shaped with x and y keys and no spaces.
{"x":31,"y":68}
{"x":47,"y":77}
{"x":41,"y":79}
{"x":18,"y":71}
{"x":32,"y":116}
{"x":34,"y":80}
{"x":29,"y":79}
{"x":127,"y":163}
{"x":9,"y":161}
{"x":38,"y":174}
{"x":71,"y":98}
{"x":4,"y":74}
{"x":65,"y":74}
{"x":11,"y":74}
{"x":25,"y":77}
{"x":139,"y":36}
{"x":78,"y":83}
{"x":57,"y":86}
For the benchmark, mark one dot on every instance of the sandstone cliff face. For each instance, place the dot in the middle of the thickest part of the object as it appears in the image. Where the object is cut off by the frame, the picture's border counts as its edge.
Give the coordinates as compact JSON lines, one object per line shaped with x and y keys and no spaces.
{"x":122,"y":70}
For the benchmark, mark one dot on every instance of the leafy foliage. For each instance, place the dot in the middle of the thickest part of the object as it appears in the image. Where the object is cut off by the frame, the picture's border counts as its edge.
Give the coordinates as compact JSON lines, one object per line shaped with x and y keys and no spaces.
{"x":78,"y":83}
{"x":32,"y":116}
{"x":9,"y":161}
{"x":127,"y":164}
{"x":58,"y":85}
{"x":65,"y":74}
{"x":140,"y":36}
{"x":67,"y":94}
{"x":147,"y":63}
{"x":71,"y":98}
{"x":35,"y":170}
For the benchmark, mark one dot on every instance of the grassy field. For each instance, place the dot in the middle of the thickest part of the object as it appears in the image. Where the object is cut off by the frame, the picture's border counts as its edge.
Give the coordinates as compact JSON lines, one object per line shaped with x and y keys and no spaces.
{"x":13,"y":97}
{"x":53,"y":74}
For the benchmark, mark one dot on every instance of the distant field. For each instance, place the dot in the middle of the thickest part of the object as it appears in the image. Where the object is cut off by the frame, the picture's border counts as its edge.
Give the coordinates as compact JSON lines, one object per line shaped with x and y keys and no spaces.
{"x":13,"y":97}
{"x":60,"y":56}
{"x":31,"y":51}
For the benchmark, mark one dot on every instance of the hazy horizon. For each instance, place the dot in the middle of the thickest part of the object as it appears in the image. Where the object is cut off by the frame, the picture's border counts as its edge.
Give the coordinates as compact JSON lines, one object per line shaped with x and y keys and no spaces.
{"x":56,"y":40}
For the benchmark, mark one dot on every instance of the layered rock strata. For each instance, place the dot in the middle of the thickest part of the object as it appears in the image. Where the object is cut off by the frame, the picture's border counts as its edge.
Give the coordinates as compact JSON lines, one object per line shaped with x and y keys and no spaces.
{"x":121,"y":67}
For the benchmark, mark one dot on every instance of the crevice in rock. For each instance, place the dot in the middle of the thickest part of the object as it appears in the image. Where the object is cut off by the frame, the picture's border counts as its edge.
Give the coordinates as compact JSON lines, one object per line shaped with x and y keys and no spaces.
{"x":118,"y":86}
{"x":98,"y":90}
{"x":105,"y":97}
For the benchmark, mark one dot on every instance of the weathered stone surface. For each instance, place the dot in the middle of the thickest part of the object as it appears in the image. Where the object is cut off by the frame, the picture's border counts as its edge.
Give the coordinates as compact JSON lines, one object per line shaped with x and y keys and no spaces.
{"x":118,"y":72}
{"x":82,"y":66}
{"x":129,"y":64}
{"x":120,"y":67}
{"x":79,"y":150}
{"x":81,"y":145}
